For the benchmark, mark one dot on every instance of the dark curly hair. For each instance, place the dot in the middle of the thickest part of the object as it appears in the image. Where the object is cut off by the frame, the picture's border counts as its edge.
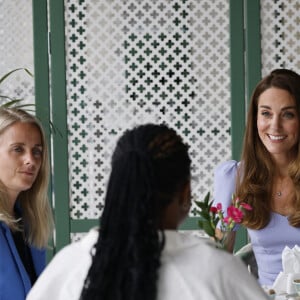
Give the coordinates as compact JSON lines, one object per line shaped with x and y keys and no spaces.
{"x":150,"y":165}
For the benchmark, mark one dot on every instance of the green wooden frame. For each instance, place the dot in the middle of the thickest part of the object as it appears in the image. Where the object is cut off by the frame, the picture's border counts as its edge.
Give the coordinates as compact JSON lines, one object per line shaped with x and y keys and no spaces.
{"x":237,"y":75}
{"x":43,"y":44}
{"x":245,"y":57}
{"x":41,"y":75}
{"x":252,"y":46}
{"x":237,"y":89}
{"x":59,"y":117}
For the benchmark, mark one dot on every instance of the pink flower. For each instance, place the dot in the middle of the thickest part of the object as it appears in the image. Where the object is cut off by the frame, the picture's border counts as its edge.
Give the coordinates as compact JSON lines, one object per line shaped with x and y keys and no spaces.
{"x":246,"y":206}
{"x":227,"y":220}
{"x":235,"y":213}
{"x":213,"y":209}
{"x":219,"y":206}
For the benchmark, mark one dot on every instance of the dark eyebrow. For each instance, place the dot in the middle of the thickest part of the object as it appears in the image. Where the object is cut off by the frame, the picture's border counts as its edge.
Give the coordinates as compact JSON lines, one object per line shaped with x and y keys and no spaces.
{"x":23,"y":144}
{"x":289,"y":107}
{"x":285,"y":108}
{"x":264,"y":106}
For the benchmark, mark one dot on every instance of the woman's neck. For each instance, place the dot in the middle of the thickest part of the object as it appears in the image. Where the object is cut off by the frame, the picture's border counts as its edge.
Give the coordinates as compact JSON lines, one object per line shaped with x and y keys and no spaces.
{"x":12,"y":202}
{"x":281,"y":162}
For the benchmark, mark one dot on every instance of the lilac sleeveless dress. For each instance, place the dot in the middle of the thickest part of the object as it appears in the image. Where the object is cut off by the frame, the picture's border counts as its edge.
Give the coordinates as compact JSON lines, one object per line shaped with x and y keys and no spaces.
{"x":267,"y":243}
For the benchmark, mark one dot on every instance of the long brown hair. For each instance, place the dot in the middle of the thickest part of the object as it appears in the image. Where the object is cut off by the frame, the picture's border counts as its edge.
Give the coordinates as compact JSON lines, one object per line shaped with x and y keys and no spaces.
{"x":255,"y":178}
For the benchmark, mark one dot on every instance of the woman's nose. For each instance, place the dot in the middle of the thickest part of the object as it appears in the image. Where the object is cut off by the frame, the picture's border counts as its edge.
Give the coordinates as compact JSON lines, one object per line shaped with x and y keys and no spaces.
{"x":276,"y":122}
{"x":29,"y":159}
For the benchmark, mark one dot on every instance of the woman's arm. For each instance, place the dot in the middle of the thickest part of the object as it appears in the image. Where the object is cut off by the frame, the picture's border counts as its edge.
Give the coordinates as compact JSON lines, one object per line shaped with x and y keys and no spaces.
{"x":224,"y":188}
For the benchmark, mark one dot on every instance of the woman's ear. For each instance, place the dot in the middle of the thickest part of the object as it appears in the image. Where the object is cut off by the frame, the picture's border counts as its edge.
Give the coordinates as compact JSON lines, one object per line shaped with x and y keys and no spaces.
{"x":178,"y":209}
{"x":185,"y":198}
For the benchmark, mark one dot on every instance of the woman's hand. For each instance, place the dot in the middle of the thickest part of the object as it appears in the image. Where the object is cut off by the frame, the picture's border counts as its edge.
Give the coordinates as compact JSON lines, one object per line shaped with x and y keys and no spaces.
{"x":230,"y":239}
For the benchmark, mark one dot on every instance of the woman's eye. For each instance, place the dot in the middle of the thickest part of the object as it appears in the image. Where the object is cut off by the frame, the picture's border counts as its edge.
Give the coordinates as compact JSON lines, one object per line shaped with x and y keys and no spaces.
{"x":18,"y":149}
{"x":265,"y":113}
{"x":37,"y":152}
{"x":288,"y":115}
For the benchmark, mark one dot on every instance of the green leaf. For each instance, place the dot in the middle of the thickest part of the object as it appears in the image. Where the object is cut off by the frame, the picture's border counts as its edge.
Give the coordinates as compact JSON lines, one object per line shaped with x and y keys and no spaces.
{"x":17,"y":103}
{"x":6,"y":97}
{"x":208,"y":220}
{"x":216,"y":221}
{"x":206,"y":199}
{"x":205,"y":215}
{"x":201,"y":205}
{"x":14,"y":102}
{"x":201,"y":223}
{"x":13,"y":71}
{"x":206,"y":226}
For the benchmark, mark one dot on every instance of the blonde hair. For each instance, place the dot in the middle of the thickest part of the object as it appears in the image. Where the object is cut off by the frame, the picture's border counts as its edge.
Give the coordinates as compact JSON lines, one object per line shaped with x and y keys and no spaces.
{"x":255,"y":178}
{"x":35,"y":207}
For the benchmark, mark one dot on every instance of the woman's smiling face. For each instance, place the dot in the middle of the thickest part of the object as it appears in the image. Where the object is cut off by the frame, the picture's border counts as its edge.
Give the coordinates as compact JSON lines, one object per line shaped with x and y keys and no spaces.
{"x":278,"y":122}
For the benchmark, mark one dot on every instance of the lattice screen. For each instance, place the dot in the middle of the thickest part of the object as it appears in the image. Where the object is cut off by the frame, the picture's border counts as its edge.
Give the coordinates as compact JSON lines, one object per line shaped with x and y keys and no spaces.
{"x":16,"y":48}
{"x":132,"y":62}
{"x":280,"y":34}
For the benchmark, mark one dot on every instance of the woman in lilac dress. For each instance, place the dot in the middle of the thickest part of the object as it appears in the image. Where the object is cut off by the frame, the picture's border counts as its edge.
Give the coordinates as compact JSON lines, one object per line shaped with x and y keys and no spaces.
{"x":268,"y":176}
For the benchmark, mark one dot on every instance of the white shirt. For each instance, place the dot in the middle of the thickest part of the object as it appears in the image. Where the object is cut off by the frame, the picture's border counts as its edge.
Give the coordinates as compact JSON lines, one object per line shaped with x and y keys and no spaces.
{"x":191,"y":269}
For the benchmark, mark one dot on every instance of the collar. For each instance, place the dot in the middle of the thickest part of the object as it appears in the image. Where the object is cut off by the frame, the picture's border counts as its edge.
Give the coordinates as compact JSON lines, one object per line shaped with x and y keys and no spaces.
{"x":176,"y":241}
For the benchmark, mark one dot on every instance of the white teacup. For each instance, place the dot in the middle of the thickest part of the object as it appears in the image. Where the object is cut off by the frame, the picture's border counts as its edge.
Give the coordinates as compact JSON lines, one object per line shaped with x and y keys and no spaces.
{"x":296,"y":283}
{"x":291,"y":286}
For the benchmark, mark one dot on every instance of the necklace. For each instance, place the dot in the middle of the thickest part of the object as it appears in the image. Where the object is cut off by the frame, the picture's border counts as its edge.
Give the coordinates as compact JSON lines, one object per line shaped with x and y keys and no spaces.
{"x":282,"y":201}
{"x":279,"y":193}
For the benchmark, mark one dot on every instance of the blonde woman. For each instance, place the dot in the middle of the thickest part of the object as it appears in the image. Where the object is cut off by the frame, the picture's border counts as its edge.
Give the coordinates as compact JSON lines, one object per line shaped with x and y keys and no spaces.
{"x":25,"y":215}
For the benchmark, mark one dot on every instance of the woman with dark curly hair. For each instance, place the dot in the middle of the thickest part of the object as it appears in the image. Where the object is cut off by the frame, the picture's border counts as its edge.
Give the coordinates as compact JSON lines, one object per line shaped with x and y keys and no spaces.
{"x":138,"y":254}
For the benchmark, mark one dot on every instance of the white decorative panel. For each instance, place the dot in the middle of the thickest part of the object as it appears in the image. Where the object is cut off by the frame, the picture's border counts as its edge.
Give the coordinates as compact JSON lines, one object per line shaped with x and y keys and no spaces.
{"x":280,"y":29}
{"x":16,"y":48}
{"x":132,"y":62}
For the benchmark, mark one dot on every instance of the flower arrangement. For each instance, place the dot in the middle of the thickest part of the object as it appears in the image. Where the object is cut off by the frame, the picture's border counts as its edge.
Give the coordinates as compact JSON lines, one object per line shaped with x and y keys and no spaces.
{"x":211,"y":215}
